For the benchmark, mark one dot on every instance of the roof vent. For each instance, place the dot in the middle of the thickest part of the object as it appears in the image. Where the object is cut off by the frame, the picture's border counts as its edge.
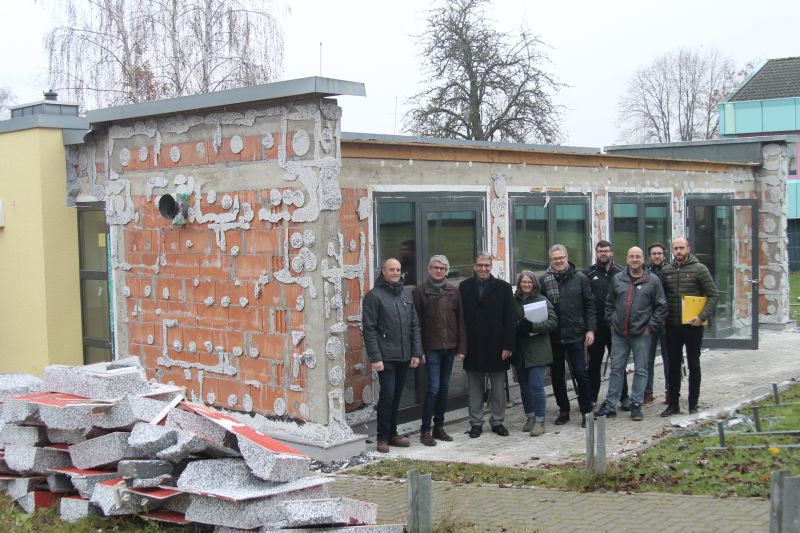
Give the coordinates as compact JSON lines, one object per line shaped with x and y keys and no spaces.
{"x":51,"y":95}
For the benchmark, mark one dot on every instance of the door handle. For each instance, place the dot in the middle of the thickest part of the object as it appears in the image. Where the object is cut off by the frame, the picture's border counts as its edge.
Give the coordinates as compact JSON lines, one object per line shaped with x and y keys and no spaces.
{"x":753,"y":281}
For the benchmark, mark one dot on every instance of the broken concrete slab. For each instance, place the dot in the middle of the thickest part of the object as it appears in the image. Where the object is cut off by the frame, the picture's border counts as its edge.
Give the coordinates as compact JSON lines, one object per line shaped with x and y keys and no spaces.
{"x":23,"y":435}
{"x":146,"y":483}
{"x":85,"y":480}
{"x":70,"y":417}
{"x":166,"y":516}
{"x":72,"y":436}
{"x":18,"y":384}
{"x":112,"y":499}
{"x":186,"y":444}
{"x":271,"y":466}
{"x":200,"y":426}
{"x":329,"y":511}
{"x":104,"y":450}
{"x":74,"y":508}
{"x":96,"y":381}
{"x":40,"y":499}
{"x":246,"y":514}
{"x":139,"y":468}
{"x":149,"y":439}
{"x":130,"y":410}
{"x":32,"y":460}
{"x":60,"y":483}
{"x":19,"y":487}
{"x":19,"y":409}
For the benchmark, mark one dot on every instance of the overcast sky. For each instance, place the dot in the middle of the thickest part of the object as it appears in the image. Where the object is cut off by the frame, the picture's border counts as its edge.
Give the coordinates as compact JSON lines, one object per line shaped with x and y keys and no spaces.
{"x":594,"y":48}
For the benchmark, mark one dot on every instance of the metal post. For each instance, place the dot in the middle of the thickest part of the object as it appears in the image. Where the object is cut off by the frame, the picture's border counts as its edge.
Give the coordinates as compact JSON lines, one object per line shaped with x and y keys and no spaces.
{"x":600,"y":459}
{"x":790,"y":519}
{"x":776,"y":501}
{"x":756,"y":419}
{"x":419,"y":502}
{"x":721,"y":431}
{"x":775,"y":394}
{"x":590,"y":442}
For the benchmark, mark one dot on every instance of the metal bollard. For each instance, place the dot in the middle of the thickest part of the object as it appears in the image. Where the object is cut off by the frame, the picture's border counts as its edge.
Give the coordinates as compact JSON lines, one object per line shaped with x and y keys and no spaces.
{"x":419,"y":502}
{"x":776,"y":501}
{"x":721,"y":431}
{"x":775,"y":394}
{"x":756,"y":419}
{"x":600,"y":460}
{"x":590,"y":442}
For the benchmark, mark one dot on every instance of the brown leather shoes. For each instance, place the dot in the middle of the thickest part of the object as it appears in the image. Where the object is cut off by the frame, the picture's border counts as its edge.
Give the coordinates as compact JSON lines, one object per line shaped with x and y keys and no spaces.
{"x":426,"y":439}
{"x":399,"y":441}
{"x":648,"y":397}
{"x":383,"y":447}
{"x":440,"y":434}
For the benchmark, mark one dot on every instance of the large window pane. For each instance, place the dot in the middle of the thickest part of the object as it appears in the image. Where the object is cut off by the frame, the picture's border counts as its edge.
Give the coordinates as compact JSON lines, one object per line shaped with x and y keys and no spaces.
{"x":453,"y":234}
{"x":396,"y":237}
{"x":572,"y":231}
{"x":96,"y":319}
{"x":92,"y":226}
{"x":656,"y":225}
{"x":626,"y":224}
{"x":530,"y":238}
{"x":93,"y":354}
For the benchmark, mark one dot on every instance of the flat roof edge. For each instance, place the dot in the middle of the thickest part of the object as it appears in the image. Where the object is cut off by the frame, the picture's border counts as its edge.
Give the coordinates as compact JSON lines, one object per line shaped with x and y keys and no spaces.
{"x":314,"y":85}
{"x":28,"y":122}
{"x":708,"y":142}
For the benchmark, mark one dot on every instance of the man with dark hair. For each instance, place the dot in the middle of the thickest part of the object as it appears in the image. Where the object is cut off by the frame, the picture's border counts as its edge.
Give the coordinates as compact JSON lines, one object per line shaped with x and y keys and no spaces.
{"x":685,"y":276}
{"x":490,"y":316}
{"x":391,"y":337}
{"x":600,"y":275}
{"x":569,"y":292}
{"x":444,"y":339}
{"x":657,"y":253}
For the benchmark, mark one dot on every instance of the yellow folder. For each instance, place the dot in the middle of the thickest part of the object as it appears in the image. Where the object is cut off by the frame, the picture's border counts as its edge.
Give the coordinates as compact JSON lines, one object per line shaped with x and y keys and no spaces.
{"x":692,"y":307}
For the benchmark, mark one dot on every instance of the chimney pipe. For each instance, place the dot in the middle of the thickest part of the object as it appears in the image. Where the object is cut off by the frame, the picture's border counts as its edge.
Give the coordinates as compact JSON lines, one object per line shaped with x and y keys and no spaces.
{"x":51,"y":96}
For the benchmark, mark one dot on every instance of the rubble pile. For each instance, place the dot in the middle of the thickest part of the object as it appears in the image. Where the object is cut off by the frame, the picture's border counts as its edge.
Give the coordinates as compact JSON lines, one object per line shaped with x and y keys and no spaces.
{"x":101,"y":440}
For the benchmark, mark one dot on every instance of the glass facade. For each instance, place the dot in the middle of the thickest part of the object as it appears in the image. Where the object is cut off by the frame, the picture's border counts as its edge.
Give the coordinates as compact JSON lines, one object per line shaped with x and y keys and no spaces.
{"x":95,"y":306}
{"x":639,"y":220}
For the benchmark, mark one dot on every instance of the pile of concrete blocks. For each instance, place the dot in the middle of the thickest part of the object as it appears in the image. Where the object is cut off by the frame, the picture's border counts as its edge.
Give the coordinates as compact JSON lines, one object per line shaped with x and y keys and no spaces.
{"x":103,"y":440}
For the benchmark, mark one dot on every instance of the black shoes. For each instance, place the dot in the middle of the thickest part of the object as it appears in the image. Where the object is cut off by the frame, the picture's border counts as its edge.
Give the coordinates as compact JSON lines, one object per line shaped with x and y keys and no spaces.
{"x":563,"y":418}
{"x":606,"y":411}
{"x":440,"y":434}
{"x":670,"y":410}
{"x":692,"y":409}
{"x":583,"y":420}
{"x":636,"y":412}
{"x":475,"y":432}
{"x":625,"y":404}
{"x":500,"y":429}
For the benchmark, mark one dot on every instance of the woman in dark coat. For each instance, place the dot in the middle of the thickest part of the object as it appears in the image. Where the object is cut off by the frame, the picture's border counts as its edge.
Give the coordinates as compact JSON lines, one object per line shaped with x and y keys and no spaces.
{"x":533,"y":353}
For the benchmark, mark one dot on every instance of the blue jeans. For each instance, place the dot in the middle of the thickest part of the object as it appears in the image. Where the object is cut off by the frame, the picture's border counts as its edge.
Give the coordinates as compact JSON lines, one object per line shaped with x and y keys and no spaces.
{"x":392,"y":379}
{"x":620,"y":348}
{"x":531,"y":388}
{"x":438,"y":367}
{"x":651,"y":360}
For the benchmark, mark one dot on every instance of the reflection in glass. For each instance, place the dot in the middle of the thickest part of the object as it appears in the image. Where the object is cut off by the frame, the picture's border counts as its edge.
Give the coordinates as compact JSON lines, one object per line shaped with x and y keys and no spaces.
{"x":92,"y":226}
{"x":453,"y":234}
{"x":93,"y":354}
{"x":530,"y":238}
{"x":714,"y":247}
{"x":626,"y":223}
{"x":96,"y":318}
{"x":572,"y":232}
{"x":656,"y":225}
{"x":396,"y":237}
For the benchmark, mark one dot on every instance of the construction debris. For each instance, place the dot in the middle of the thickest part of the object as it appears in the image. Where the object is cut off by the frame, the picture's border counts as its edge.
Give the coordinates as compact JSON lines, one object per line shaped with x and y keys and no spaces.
{"x":101,"y":440}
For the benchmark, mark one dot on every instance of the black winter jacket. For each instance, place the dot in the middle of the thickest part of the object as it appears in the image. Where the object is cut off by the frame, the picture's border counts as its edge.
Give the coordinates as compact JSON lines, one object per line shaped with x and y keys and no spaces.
{"x":389,"y":323}
{"x":599,"y":281}
{"x":491,"y":323}
{"x":633,"y":305}
{"x":575,"y":307}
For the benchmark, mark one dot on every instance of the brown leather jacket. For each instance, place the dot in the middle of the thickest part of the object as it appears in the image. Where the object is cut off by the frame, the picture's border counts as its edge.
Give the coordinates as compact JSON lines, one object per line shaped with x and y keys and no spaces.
{"x":441,"y":317}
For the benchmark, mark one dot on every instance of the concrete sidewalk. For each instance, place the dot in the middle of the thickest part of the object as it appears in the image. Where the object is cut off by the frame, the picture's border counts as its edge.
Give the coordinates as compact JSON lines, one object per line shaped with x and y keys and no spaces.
{"x":730,"y":377}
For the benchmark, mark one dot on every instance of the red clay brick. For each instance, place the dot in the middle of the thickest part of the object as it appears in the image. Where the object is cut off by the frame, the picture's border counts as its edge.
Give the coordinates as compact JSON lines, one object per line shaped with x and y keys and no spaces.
{"x":138,"y":241}
{"x":148,"y":310}
{"x":258,"y":241}
{"x":170,"y":239}
{"x":151,"y":355}
{"x":254,"y":369}
{"x":248,"y":318}
{"x":231,"y":290}
{"x":138,"y":332}
{"x":183,"y":266}
{"x":269,"y":346}
{"x":177,"y":292}
{"x":145,"y":264}
{"x":215,"y":316}
{"x":199,"y":294}
{"x":272,"y":153}
{"x":184,"y":313}
{"x":202,"y":240}
{"x":293,"y":401}
{"x":271,"y":294}
{"x":233,"y":237}
{"x":216,"y":267}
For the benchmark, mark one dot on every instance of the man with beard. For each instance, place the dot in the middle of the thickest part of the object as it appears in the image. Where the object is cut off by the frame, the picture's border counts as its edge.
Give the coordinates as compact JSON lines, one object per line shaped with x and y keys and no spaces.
{"x":685,"y":276}
{"x":391,"y":337}
{"x":600,"y":275}
{"x":569,"y":292}
{"x":490,"y":316}
{"x":658,"y":257}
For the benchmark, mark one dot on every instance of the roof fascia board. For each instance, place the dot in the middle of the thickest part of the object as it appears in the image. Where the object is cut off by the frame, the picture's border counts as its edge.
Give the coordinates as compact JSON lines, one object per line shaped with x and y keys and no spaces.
{"x":44,"y":121}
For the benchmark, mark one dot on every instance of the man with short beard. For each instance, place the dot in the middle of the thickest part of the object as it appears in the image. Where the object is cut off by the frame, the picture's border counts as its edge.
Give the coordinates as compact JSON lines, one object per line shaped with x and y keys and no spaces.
{"x":685,"y":276}
{"x":658,"y":258}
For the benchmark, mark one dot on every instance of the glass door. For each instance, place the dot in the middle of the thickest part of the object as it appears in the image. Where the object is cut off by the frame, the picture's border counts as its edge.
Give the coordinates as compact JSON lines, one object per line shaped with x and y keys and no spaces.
{"x":723,"y":236}
{"x":96,"y":317}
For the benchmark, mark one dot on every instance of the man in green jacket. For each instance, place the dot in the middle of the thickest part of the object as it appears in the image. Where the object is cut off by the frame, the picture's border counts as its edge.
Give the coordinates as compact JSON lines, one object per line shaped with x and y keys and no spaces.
{"x":685,"y":276}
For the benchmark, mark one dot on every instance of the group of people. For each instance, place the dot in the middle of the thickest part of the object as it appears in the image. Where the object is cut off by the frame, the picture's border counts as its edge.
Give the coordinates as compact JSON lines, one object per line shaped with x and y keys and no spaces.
{"x":485,"y":323}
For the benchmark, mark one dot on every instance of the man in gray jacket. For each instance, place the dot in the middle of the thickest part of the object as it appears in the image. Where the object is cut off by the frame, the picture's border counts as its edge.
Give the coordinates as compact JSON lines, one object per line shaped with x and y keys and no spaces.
{"x":391,"y":337}
{"x":635,"y":310}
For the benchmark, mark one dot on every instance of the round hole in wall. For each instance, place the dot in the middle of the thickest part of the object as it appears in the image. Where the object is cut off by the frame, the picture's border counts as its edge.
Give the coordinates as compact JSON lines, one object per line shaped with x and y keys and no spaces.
{"x":168,"y":207}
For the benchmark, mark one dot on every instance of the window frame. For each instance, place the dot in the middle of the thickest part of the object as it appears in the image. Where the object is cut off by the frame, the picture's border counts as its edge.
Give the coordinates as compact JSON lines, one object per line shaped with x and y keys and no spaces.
{"x":642,"y":200}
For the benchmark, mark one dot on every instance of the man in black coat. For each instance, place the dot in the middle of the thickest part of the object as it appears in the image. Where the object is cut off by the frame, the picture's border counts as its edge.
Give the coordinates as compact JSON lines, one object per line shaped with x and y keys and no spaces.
{"x":490,"y":317}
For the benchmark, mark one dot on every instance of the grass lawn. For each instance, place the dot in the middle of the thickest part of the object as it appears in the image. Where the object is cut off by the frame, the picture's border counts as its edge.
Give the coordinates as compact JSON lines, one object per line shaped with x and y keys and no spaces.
{"x":794,"y":291}
{"x":677,"y":464}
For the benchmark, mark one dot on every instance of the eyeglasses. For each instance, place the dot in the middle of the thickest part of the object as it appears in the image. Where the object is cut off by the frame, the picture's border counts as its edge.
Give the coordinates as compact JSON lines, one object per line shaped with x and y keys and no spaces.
{"x":438,"y":268}
{"x":559,"y":258}
{"x":656,"y":253}
{"x":483,"y":266}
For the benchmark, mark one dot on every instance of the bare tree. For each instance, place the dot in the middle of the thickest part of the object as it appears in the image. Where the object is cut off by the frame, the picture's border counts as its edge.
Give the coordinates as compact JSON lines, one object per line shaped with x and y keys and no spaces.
{"x":482,"y":84}
{"x":676,"y":97}
{"x":7,"y":99}
{"x":111,"y":52}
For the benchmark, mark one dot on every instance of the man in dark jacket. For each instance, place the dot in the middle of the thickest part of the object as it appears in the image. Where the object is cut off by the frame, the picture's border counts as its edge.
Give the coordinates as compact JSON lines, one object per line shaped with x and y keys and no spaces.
{"x":391,"y":337}
{"x":444,"y":339}
{"x":658,"y":257}
{"x":569,"y":292}
{"x":490,"y":316}
{"x":634,"y":311}
{"x":600,"y":275}
{"x":685,"y":276}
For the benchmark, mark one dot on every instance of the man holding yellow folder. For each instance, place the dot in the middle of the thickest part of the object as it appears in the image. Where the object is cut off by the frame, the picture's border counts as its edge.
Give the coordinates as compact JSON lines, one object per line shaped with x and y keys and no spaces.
{"x":691,"y":300}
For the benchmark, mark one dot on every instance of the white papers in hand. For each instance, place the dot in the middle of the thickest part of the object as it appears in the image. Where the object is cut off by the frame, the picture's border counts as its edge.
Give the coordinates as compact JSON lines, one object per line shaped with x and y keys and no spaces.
{"x":536,"y":311}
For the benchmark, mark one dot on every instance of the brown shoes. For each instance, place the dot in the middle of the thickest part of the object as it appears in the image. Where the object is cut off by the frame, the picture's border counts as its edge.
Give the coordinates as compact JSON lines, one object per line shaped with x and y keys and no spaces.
{"x":426,"y":439}
{"x":648,"y":397}
{"x":440,"y":434}
{"x":383,"y":447}
{"x":399,"y":441}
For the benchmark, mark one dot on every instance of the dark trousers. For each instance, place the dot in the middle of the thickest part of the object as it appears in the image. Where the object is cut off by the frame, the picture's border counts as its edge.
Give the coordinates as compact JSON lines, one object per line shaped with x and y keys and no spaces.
{"x":392,"y":379}
{"x":692,"y":338}
{"x":575,"y":351}
{"x":602,"y":342}
{"x":438,"y":367}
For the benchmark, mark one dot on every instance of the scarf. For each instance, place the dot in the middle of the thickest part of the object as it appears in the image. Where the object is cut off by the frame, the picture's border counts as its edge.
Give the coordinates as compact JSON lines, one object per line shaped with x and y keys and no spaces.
{"x":552,"y":280}
{"x":438,"y":285}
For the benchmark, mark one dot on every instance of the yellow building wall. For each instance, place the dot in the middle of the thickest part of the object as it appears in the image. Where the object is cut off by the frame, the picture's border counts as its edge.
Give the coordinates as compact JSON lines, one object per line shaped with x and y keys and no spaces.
{"x":40,"y":308}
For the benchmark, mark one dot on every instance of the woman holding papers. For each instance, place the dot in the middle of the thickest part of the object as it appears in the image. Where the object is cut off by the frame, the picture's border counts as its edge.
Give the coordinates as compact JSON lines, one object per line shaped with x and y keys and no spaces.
{"x":533,"y":354}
